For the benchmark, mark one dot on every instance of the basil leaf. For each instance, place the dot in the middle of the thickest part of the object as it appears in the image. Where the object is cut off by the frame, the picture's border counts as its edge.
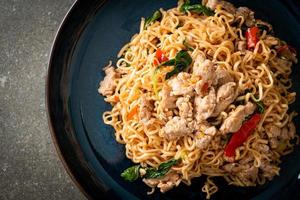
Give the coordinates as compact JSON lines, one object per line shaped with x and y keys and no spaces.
{"x":131,"y":173}
{"x":156,"y":16}
{"x":162,"y":169}
{"x":168,"y":63}
{"x":196,"y":8}
{"x":260,"y":107}
{"x":182,"y":61}
{"x":183,"y":56}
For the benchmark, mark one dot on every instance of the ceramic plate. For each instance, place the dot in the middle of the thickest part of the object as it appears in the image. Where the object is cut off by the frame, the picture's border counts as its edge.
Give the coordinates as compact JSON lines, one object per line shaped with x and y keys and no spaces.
{"x":91,"y":34}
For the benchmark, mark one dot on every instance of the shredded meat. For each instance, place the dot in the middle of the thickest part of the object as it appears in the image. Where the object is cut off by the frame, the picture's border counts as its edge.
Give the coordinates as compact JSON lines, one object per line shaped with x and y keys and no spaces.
{"x":289,"y":132}
{"x":185,"y":107}
{"x":108,"y":85}
{"x":222,"y":77}
{"x":180,"y":84}
{"x":284,"y":134}
{"x":246,"y":172}
{"x":248,"y":176}
{"x":247,"y":160}
{"x":272,"y":130}
{"x":212,"y":4}
{"x":274,"y":142}
{"x":176,"y":128}
{"x":225,"y":96}
{"x":203,"y":141}
{"x":146,"y":108}
{"x":247,"y":14}
{"x":167,"y":101}
{"x":235,"y":119}
{"x":165,"y":183}
{"x":205,"y":105}
{"x":206,"y":70}
{"x":269,"y":170}
{"x":276,"y":134}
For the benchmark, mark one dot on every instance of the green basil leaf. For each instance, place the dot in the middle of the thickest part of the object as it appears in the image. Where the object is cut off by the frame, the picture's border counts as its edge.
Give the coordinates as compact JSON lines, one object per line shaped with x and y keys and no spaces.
{"x":179,"y":67}
{"x":162,"y":169}
{"x":186,"y":3}
{"x":196,"y":8}
{"x":182,"y":61}
{"x":167,"y":63}
{"x":184,"y":57}
{"x":156,"y":16}
{"x":131,"y":173}
{"x":260,"y":107}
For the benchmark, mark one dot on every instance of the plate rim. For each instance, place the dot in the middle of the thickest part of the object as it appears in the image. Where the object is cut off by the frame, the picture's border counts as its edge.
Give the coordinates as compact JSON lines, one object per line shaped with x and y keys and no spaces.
{"x":59,"y":151}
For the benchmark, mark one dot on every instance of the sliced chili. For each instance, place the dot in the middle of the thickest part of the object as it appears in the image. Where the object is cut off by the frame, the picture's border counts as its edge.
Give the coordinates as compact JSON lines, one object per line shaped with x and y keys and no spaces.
{"x":239,"y":137}
{"x":160,"y":55}
{"x":252,"y":37}
{"x":155,"y":62}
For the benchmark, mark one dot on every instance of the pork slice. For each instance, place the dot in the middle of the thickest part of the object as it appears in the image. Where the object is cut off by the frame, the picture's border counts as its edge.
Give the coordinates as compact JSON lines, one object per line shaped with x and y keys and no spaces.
{"x":180,"y":85}
{"x":225,"y":96}
{"x":185,"y":107}
{"x":203,"y":141}
{"x":108,"y":85}
{"x":205,"y":105}
{"x":167,"y":101}
{"x":175,"y":128}
{"x":146,"y":109}
{"x":235,"y":119}
{"x":165,"y":183}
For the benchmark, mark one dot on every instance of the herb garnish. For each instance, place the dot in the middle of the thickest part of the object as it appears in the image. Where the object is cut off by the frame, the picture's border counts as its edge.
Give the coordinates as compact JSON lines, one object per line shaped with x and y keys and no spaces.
{"x":196,"y":8}
{"x":132,"y":173}
{"x":181,"y":61}
{"x":156,"y":16}
{"x":162,"y":170}
{"x":260,"y":107}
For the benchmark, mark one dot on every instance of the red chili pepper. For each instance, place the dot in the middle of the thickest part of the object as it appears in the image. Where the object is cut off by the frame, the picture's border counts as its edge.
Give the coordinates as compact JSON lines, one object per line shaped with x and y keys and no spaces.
{"x":155,"y":62}
{"x":239,"y":137}
{"x":161,"y":56}
{"x":251,"y":37}
{"x":286,"y":47}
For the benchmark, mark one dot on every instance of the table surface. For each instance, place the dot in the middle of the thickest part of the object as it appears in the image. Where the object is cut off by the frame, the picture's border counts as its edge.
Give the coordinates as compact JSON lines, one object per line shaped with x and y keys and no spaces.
{"x":29,"y":165}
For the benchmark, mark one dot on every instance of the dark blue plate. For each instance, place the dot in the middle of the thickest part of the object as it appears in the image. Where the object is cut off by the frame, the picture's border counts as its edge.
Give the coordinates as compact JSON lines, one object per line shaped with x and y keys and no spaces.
{"x":91,"y":34}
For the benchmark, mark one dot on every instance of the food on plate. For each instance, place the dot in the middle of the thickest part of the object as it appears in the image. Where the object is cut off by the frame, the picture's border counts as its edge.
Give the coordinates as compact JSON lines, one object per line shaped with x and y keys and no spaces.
{"x":202,"y":89}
